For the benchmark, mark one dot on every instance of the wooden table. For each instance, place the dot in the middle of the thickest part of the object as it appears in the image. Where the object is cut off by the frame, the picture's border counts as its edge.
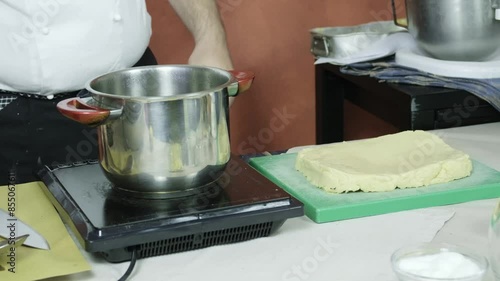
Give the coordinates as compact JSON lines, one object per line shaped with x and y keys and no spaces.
{"x":407,"y":107}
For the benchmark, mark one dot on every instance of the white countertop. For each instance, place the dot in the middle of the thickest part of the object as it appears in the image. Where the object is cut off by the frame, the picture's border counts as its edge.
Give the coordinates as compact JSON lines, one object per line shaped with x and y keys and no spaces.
{"x":299,"y":240}
{"x":469,"y":226}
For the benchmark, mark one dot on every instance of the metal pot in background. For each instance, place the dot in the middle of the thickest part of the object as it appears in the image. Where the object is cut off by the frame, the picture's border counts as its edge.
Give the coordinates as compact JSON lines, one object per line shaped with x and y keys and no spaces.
{"x":163,"y":131}
{"x":458,"y":30}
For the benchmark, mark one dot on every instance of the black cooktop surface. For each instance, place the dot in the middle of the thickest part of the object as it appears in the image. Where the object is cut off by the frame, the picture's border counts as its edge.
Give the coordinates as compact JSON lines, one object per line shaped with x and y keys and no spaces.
{"x":105,"y":219}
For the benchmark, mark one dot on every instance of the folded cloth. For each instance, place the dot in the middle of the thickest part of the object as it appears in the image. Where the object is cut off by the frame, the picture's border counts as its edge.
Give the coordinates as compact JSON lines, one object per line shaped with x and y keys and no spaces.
{"x":389,"y":71}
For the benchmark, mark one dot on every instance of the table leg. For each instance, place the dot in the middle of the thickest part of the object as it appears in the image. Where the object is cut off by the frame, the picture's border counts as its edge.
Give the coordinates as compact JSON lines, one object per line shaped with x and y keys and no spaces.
{"x":330,"y":93}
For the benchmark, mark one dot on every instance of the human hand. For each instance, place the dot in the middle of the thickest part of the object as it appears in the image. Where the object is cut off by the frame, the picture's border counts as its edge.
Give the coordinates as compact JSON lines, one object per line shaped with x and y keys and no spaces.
{"x":202,"y":19}
{"x":212,"y":54}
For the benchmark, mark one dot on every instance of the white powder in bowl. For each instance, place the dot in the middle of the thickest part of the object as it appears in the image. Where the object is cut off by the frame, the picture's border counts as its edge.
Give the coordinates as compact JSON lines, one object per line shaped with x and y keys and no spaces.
{"x":441,"y":266}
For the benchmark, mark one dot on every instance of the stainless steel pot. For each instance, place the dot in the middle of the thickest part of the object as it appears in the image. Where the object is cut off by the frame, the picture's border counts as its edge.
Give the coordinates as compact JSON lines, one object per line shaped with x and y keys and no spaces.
{"x":459,"y":30}
{"x":163,"y":131}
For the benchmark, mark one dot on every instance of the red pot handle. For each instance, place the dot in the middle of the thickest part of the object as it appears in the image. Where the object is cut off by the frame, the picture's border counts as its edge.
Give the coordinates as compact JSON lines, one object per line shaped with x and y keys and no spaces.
{"x":75,"y":109}
{"x":244,"y":78}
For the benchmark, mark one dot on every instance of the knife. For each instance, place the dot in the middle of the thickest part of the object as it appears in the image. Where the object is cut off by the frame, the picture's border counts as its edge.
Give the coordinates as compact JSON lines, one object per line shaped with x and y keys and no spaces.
{"x":10,"y":224}
{"x":6,"y":245}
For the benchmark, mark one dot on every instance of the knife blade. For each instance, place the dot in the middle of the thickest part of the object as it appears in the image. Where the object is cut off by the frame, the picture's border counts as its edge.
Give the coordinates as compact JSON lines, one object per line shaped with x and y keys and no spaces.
{"x":9,"y":224}
{"x":6,"y":245}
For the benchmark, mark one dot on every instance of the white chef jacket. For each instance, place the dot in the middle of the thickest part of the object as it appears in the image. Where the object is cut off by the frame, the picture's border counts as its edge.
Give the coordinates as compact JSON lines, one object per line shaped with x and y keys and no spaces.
{"x":54,"y":46}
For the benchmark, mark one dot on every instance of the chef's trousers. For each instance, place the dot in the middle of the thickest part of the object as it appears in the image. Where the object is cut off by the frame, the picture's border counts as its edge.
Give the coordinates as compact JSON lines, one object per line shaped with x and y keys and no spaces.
{"x":33,"y":134}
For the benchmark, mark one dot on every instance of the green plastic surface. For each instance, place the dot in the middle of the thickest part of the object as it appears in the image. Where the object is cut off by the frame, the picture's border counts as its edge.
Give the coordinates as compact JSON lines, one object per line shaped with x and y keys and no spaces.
{"x":320,"y":206}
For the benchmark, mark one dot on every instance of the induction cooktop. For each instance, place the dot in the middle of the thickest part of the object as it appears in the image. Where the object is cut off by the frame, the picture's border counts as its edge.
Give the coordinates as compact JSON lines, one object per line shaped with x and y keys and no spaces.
{"x":240,"y":205}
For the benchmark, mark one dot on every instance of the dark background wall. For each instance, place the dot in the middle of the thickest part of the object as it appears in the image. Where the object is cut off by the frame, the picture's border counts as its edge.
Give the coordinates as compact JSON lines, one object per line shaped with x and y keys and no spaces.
{"x":271,"y":38}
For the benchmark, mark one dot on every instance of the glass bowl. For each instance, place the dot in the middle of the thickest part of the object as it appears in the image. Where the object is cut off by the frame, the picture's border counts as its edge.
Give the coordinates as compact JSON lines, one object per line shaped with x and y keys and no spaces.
{"x":494,"y":242}
{"x":438,"y":262}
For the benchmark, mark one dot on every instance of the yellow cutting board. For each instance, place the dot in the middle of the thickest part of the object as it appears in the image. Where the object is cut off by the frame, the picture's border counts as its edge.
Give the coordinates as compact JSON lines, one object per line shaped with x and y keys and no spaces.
{"x":321,"y":206}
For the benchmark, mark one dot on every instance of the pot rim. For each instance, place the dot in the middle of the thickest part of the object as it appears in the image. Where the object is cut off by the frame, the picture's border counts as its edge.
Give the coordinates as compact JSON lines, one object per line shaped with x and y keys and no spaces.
{"x":231,"y":80}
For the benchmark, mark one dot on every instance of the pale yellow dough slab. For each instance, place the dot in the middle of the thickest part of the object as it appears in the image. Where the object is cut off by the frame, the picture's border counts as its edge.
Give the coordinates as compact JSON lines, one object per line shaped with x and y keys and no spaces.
{"x":402,"y":160}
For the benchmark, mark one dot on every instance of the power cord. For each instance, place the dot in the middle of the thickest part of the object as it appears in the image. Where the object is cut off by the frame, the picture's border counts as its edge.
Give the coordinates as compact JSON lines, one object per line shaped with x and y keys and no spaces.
{"x":130,"y":268}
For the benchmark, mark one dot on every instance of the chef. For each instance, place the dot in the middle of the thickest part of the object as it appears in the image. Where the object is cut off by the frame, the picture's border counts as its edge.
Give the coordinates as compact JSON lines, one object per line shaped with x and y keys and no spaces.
{"x":51,"y":48}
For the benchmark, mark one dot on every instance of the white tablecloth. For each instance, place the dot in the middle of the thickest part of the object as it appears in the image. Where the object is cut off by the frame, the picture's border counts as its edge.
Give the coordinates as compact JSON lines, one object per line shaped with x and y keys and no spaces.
{"x":350,"y":250}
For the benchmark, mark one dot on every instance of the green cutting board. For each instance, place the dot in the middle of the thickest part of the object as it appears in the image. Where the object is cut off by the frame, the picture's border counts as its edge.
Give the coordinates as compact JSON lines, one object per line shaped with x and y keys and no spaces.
{"x":321,"y":206}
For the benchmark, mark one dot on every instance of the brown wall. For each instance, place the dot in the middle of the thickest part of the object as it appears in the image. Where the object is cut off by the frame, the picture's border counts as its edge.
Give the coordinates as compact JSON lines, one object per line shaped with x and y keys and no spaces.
{"x":271,"y":38}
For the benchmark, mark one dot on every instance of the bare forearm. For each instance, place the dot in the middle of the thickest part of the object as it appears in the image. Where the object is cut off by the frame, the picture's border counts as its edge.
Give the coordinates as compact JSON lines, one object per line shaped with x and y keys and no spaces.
{"x":201,"y":17}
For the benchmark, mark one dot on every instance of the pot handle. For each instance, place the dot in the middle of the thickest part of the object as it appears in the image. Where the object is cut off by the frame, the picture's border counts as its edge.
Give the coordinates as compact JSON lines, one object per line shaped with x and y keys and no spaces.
{"x":76,"y":109}
{"x":395,"y":16}
{"x":244,"y":81}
